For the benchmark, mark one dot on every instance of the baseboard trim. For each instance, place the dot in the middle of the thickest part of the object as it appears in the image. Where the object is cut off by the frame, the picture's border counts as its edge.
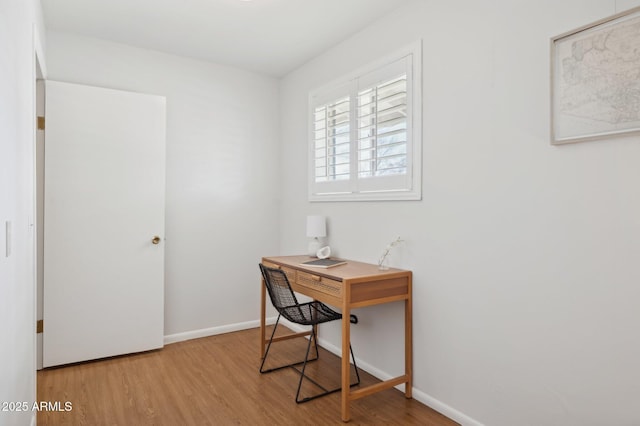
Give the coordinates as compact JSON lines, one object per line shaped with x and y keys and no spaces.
{"x":418,"y":395}
{"x":445,"y":409}
{"x":212,"y":331}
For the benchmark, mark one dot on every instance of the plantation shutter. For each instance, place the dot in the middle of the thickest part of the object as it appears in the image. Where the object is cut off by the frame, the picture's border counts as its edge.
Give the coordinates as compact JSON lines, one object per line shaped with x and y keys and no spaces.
{"x":331,"y":126}
{"x":384,"y":128}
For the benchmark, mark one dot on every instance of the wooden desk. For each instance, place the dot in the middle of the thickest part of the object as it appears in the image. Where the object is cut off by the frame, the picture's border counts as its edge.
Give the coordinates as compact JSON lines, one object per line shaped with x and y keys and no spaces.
{"x":353,"y":285}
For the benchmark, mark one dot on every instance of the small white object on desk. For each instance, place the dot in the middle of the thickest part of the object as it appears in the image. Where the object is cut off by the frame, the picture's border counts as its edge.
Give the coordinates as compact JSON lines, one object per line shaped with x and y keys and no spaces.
{"x":324,"y":252}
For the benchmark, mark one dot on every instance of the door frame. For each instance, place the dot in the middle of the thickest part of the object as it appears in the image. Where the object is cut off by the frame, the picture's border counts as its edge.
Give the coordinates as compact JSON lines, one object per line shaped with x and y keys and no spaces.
{"x":39,"y":73}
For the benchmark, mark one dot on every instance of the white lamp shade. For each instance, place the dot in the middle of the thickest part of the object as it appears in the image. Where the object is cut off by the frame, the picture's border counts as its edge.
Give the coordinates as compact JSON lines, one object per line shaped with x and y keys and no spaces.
{"x":316,"y":226}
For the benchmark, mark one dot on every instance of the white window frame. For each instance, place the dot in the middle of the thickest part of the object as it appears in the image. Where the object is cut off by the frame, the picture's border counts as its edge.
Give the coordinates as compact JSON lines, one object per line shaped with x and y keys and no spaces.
{"x":403,"y":187}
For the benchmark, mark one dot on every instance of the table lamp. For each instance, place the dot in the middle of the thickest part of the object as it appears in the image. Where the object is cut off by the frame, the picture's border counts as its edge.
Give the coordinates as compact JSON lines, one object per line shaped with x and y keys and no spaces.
{"x":316,"y":229}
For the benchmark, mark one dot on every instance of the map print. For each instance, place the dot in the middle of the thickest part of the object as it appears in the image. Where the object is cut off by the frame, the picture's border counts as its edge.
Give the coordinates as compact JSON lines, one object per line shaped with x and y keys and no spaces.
{"x":597,"y":83}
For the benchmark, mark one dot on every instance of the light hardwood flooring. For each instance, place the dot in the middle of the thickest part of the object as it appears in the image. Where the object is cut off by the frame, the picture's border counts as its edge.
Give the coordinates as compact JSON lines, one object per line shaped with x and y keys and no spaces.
{"x":214,"y":381}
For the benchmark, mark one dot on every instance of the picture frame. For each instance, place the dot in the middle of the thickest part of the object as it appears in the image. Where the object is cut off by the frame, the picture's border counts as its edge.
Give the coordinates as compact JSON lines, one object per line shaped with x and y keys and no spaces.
{"x":595,"y":80}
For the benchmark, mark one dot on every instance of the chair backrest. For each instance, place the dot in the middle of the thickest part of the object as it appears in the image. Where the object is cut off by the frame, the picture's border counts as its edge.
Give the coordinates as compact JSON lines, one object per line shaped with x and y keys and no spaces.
{"x":279,"y":289}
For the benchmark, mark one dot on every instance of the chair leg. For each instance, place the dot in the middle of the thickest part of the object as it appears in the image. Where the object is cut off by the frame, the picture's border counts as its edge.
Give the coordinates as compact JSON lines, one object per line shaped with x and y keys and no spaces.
{"x":268,"y":347}
{"x":266,"y":353}
{"x":354,"y":365}
{"x":303,"y":376}
{"x":304,"y":366}
{"x":315,"y":341}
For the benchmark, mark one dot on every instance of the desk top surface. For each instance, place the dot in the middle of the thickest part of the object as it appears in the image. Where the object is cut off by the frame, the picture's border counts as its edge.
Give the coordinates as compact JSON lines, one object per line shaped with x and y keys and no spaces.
{"x":352,"y":270}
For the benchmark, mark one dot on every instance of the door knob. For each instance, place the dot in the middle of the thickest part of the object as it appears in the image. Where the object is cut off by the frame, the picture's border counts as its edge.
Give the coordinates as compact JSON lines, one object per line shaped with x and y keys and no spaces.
{"x":156,"y":240}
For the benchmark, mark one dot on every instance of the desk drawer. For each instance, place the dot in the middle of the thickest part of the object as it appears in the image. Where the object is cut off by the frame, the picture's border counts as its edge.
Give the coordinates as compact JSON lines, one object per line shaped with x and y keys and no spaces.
{"x":290,"y":273}
{"x":321,"y":284}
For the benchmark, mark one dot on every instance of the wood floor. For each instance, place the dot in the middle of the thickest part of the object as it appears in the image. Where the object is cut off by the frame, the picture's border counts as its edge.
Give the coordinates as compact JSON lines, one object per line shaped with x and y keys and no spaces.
{"x":213,"y":381}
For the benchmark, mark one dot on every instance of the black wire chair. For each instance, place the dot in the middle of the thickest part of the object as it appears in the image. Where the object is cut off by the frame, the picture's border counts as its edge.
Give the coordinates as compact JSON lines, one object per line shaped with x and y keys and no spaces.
{"x":310,"y":313}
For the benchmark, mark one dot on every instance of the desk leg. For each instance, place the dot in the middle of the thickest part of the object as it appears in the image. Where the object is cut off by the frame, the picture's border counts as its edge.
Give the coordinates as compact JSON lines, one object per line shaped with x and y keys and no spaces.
{"x":346,"y":367}
{"x":408,"y":343}
{"x":263,"y":314}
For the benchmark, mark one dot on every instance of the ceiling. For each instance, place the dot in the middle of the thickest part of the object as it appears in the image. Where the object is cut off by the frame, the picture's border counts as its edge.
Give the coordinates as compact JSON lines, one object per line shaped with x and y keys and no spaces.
{"x":267,"y":36}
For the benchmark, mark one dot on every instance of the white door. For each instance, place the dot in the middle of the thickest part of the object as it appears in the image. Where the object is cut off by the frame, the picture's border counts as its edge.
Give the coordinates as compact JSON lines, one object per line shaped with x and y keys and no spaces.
{"x":104,"y":205}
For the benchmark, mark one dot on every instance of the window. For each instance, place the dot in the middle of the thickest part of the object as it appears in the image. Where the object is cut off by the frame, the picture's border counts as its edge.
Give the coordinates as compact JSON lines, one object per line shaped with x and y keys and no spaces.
{"x":365,"y":135}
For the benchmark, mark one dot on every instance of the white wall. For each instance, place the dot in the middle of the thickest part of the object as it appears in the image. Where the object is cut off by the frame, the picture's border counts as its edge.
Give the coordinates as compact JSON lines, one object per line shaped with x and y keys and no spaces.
{"x":525,"y":255}
{"x":221,"y":209}
{"x":17,"y":130}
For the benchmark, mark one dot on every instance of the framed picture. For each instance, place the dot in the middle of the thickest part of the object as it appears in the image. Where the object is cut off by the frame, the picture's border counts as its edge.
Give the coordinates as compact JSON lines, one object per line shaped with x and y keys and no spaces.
{"x":595,"y":80}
